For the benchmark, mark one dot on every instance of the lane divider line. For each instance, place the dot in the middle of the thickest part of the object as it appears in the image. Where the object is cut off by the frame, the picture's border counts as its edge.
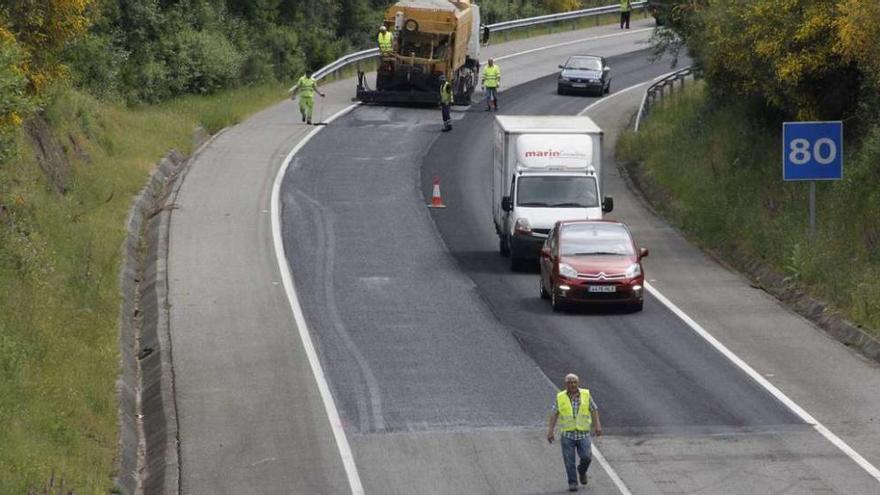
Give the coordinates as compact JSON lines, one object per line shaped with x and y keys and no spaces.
{"x":574,"y":42}
{"x":748,"y":370}
{"x":792,"y":405}
{"x":342,"y":444}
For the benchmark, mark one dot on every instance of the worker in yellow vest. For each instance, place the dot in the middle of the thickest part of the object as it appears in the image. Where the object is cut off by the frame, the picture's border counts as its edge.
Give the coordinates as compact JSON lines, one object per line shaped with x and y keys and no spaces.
{"x":307,"y":87}
{"x":386,"y":42}
{"x":625,"y":9}
{"x":576,"y":413}
{"x":491,"y":82}
{"x":445,"y":102}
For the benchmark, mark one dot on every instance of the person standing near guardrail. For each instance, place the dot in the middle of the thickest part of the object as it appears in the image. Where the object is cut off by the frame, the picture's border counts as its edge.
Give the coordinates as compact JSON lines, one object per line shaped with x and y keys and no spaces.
{"x":386,"y":42}
{"x":577,"y":414}
{"x":306,"y":88}
{"x":491,"y":82}
{"x":445,"y":102}
{"x":625,"y":9}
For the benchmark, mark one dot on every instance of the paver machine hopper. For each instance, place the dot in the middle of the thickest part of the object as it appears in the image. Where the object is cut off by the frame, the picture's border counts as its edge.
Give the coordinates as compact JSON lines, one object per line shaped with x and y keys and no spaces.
{"x":431,"y":38}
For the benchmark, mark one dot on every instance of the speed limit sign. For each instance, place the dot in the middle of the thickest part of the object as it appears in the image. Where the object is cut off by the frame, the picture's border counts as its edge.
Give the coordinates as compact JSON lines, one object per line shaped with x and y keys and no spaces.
{"x":812,"y":150}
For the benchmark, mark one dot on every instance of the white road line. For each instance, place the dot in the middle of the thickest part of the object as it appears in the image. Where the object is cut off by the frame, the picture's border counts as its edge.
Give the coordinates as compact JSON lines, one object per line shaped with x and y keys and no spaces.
{"x":573,"y":42}
{"x":623,"y":91}
{"x":793,"y":406}
{"x":800,"y":412}
{"x":289,"y":288}
{"x":345,"y":452}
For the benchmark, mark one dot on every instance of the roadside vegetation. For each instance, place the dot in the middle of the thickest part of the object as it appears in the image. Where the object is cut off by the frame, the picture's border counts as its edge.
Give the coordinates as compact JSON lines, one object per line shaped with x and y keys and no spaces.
{"x":92,"y":94}
{"x":711,"y":157}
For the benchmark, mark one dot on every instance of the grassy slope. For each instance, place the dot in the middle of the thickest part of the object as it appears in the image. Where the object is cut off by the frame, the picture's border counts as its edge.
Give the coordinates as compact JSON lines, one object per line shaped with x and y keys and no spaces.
{"x":723,"y":186}
{"x":59,"y":296}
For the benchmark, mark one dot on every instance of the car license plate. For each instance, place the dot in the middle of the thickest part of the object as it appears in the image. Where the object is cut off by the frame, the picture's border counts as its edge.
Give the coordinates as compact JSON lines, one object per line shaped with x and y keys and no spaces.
{"x":578,"y":85}
{"x":602,"y":288}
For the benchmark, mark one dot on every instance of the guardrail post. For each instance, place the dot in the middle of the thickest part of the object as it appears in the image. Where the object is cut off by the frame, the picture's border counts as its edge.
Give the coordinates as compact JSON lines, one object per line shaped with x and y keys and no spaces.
{"x":574,"y":24}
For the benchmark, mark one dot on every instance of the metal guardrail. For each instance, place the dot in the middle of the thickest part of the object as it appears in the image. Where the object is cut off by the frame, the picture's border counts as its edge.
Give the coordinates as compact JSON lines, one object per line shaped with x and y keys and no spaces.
{"x":659,"y":88}
{"x":353,"y":58}
{"x":562,"y":16}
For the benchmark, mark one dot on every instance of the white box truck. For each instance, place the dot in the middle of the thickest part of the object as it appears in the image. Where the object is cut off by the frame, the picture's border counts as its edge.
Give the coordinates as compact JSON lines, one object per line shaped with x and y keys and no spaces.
{"x":545,"y":168}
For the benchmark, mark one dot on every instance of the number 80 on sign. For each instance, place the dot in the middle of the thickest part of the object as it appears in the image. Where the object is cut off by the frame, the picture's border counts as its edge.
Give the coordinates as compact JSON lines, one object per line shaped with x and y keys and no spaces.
{"x":812,"y":151}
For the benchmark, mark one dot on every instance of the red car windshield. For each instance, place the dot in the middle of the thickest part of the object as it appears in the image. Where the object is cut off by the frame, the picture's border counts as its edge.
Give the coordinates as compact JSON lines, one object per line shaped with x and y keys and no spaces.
{"x":595,"y":239}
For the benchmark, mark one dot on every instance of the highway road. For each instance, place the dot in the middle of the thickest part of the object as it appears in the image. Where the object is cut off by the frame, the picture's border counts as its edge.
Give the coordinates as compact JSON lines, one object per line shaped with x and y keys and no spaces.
{"x":438,"y":357}
{"x":416,"y":341}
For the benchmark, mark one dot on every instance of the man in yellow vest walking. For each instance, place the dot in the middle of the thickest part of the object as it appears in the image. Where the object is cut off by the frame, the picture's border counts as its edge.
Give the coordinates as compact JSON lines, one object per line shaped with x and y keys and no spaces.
{"x":491,"y":81}
{"x":307,"y":87}
{"x":625,"y":9}
{"x":577,"y":414}
{"x":386,"y":42}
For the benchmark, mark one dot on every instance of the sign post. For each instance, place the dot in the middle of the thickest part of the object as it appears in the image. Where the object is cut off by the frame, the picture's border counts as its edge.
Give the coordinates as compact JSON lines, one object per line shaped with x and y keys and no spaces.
{"x":812,"y":151}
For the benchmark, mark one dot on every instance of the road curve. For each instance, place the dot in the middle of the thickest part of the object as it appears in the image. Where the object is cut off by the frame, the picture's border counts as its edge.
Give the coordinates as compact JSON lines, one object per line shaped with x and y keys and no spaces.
{"x":251,"y":417}
{"x":681,"y":417}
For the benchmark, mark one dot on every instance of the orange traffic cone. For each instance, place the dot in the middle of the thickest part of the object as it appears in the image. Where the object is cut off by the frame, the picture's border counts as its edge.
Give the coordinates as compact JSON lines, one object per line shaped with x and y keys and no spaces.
{"x":436,"y":200}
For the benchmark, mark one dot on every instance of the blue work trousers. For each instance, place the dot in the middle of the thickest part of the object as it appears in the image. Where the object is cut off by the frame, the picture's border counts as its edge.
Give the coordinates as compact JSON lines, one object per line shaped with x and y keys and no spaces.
{"x":584,"y":452}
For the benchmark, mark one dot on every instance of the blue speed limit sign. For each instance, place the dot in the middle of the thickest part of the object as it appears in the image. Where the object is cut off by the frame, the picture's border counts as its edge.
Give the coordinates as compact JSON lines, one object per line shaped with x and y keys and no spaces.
{"x":812,"y":150}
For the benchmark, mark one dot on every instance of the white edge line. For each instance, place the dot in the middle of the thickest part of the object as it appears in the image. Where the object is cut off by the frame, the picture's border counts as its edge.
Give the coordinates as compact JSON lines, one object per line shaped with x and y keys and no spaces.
{"x":573,"y":42}
{"x":342,"y":444}
{"x":623,"y":91}
{"x":800,"y":412}
{"x":778,"y":394}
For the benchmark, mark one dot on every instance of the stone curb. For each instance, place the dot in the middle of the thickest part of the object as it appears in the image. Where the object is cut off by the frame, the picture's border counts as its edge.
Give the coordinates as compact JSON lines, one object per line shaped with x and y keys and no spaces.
{"x":148,"y":439}
{"x":771,"y":282}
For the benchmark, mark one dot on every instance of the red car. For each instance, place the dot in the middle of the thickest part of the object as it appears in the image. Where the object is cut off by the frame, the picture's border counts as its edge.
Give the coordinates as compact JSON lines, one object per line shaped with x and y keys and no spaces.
{"x":592,"y":261}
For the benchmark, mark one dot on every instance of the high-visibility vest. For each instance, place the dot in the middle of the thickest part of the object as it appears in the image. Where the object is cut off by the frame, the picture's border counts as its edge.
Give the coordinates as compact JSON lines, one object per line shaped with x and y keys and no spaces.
{"x":307,"y":87}
{"x":625,"y":6}
{"x":446,"y":93}
{"x":567,"y":421}
{"x":492,"y":76}
{"x":386,"y":43}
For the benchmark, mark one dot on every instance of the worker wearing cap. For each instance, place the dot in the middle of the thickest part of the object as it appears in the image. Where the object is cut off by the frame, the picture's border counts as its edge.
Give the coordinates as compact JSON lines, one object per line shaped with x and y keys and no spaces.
{"x":386,"y":41}
{"x":445,"y":102}
{"x":307,"y":87}
{"x":577,"y":414}
{"x":491,"y":81}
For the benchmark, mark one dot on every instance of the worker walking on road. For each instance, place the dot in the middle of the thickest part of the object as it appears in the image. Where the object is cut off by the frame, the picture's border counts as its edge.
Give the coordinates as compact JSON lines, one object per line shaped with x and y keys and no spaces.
{"x":307,"y":87}
{"x":576,"y":413}
{"x":491,"y":82}
{"x":445,"y":102}
{"x":386,"y":42}
{"x":625,"y":9}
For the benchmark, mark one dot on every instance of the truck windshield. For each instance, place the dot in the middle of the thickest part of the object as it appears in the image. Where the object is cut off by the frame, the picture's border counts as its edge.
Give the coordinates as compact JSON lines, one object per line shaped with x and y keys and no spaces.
{"x":557,"y":192}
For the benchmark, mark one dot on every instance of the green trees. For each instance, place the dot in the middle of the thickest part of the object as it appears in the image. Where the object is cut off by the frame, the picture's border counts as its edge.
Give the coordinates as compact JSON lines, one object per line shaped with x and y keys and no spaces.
{"x":810,"y":59}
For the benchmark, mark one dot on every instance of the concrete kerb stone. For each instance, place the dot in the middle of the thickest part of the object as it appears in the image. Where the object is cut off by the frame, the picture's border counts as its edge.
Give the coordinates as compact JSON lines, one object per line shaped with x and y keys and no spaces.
{"x":763,"y":277}
{"x":148,"y":439}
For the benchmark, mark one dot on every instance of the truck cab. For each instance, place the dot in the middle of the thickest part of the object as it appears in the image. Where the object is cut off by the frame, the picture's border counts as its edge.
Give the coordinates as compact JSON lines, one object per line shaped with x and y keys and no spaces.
{"x":547,"y":176}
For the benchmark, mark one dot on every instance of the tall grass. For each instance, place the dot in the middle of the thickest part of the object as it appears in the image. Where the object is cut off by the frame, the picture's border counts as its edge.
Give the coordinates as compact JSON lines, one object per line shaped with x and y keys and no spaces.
{"x":59,"y":265}
{"x":717,"y":168}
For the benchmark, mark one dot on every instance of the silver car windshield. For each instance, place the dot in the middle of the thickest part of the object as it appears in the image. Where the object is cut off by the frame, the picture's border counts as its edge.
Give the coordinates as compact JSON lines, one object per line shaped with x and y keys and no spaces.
{"x":557,"y":192}
{"x":595,"y":240}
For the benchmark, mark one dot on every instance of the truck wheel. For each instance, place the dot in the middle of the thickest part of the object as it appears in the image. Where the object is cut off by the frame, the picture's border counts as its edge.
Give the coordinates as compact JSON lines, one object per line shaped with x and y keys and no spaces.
{"x":515,"y":263}
{"x":503,"y":247}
